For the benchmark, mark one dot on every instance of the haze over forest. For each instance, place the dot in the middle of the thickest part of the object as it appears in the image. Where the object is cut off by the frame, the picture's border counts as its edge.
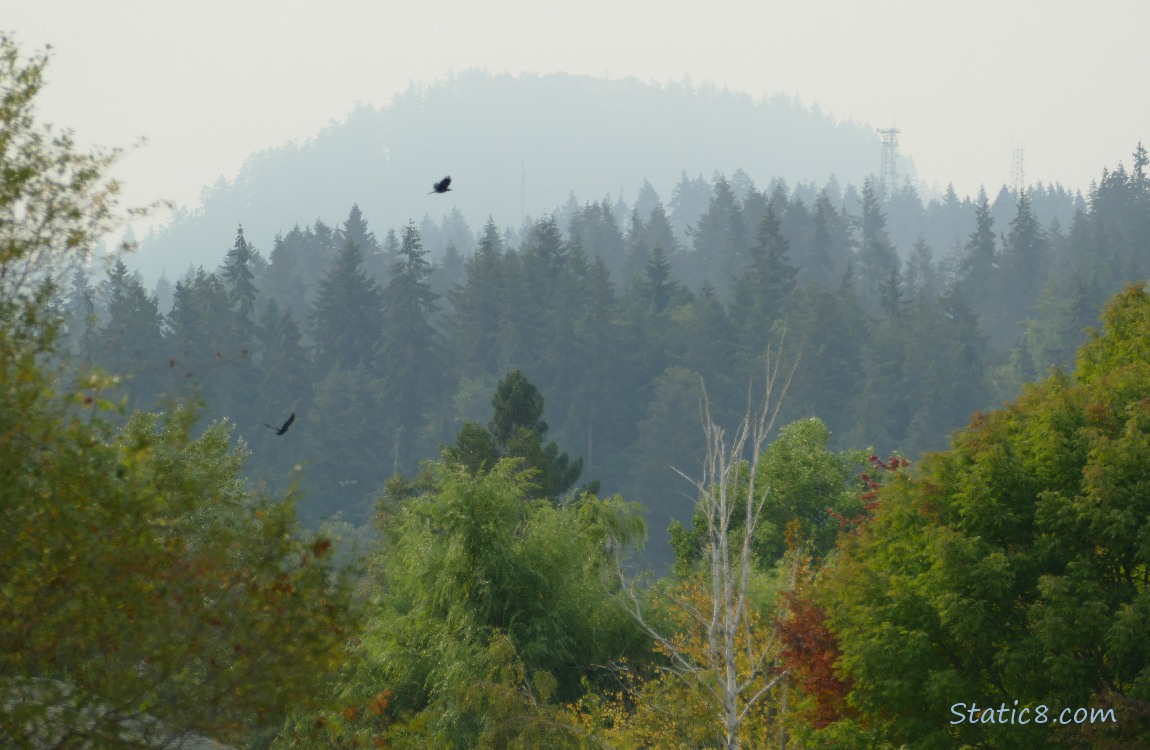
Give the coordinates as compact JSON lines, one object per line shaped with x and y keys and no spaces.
{"x":517,"y":147}
{"x":843,"y":259}
{"x":678,"y":421}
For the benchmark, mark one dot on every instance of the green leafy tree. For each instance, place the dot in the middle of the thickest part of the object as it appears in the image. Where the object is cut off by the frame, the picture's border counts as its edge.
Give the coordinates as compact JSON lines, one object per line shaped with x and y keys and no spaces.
{"x":144,"y":583}
{"x":148,"y":594}
{"x":56,"y":201}
{"x":483,"y":627}
{"x":1012,"y":567}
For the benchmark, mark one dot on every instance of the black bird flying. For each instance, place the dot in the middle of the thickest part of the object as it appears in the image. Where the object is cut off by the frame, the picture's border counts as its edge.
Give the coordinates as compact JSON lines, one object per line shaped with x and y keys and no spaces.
{"x":442,"y":186}
{"x":285,"y":427}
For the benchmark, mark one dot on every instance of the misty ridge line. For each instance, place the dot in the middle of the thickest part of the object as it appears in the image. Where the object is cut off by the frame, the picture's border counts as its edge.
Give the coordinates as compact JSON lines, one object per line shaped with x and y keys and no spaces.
{"x":522,"y":144}
{"x":525,"y":146}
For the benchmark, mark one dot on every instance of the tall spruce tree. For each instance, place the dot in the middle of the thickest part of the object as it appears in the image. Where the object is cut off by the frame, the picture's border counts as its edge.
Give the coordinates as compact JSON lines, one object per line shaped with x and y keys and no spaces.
{"x":80,"y":318}
{"x":877,"y":255}
{"x":978,"y":269}
{"x":518,"y":431}
{"x":238,"y":276}
{"x":476,"y":308}
{"x":1025,"y":264}
{"x":832,"y":244}
{"x":720,"y":240}
{"x":761,"y":290}
{"x":409,"y":356}
{"x":345,"y":315}
{"x":130,"y":341}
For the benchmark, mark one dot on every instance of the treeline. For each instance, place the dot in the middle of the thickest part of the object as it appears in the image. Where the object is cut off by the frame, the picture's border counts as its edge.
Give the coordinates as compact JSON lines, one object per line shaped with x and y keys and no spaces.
{"x":997,"y":592}
{"x":384,"y":354}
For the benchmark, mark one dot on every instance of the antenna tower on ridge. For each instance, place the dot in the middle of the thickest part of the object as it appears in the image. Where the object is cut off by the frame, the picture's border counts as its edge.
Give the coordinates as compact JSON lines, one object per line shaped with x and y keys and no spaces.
{"x":888,"y":172}
{"x":1017,"y":172}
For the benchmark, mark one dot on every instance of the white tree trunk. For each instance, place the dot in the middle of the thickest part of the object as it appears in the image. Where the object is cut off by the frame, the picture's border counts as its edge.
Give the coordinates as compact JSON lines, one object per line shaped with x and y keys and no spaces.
{"x":725,"y":469}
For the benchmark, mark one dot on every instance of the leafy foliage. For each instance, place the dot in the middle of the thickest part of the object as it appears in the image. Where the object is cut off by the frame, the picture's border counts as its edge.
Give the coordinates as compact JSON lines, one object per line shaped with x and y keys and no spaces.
{"x":1031,"y":528}
{"x":489,"y":609}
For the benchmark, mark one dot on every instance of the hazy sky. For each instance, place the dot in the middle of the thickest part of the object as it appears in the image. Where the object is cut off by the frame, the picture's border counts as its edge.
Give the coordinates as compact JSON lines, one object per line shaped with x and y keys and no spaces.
{"x":210,"y":82}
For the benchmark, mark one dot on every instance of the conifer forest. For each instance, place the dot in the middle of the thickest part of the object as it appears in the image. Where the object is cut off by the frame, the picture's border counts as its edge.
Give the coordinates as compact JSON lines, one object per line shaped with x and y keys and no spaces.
{"x":747,"y":464}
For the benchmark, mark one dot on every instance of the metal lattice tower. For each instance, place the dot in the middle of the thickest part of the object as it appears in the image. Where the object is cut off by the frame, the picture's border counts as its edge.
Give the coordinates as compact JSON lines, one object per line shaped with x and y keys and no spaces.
{"x":1017,"y":172}
{"x":888,"y":172}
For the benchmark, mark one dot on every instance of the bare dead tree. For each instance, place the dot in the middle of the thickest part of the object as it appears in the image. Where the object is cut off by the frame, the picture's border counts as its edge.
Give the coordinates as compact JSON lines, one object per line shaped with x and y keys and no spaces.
{"x":737,"y":669}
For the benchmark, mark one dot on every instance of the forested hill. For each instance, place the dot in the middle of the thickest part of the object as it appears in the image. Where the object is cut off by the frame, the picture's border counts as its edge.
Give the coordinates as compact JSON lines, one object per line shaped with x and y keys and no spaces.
{"x":515,"y":146}
{"x":384,"y":355}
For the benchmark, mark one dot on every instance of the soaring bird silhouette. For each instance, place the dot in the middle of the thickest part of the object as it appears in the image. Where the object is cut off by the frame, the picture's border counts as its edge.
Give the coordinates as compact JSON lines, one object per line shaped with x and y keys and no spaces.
{"x":285,"y":427}
{"x":442,"y":186}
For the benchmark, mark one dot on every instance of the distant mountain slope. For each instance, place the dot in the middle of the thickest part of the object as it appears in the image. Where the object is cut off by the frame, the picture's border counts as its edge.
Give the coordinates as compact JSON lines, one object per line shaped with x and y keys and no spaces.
{"x":513,"y":146}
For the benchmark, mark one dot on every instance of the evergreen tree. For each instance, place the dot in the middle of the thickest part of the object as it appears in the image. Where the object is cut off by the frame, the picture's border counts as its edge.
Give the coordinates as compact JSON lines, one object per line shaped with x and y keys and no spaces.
{"x":761,"y":289}
{"x":598,"y":229}
{"x":657,"y":282}
{"x":689,"y":201}
{"x":646,"y":201}
{"x":532,"y":282}
{"x":720,"y":245}
{"x":658,"y":232}
{"x":285,"y":383}
{"x":518,"y":431}
{"x":409,"y":356}
{"x":347,"y":426}
{"x":130,"y":342}
{"x":921,"y":273}
{"x":832,"y":244}
{"x":238,"y":277}
{"x":80,"y":318}
{"x":203,"y":348}
{"x":979,"y":266}
{"x":285,"y":281}
{"x":892,"y":300}
{"x":447,"y":274}
{"x":667,"y":439}
{"x":636,"y":252}
{"x":829,"y":328}
{"x":1025,"y":262}
{"x":877,"y":256}
{"x":345,"y":315}
{"x":476,"y":308}
{"x":355,"y":229}
{"x":706,"y":345}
